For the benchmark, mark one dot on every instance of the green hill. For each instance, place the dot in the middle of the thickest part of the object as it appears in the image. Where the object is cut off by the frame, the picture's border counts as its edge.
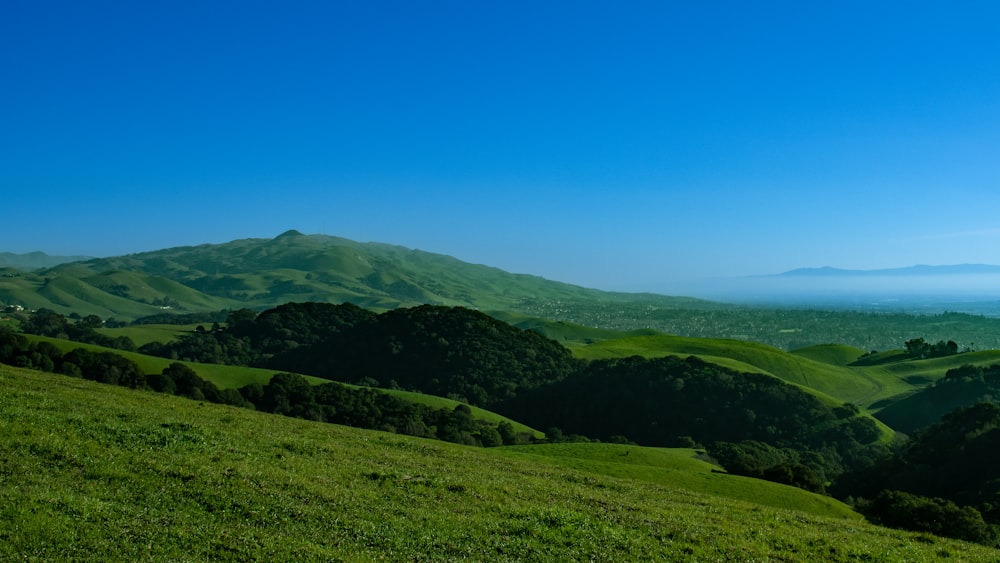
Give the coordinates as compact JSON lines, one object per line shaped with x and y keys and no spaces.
{"x":838,"y":383}
{"x":834,"y":372}
{"x":962,"y":386}
{"x":833,"y":354}
{"x":263,"y":273}
{"x":682,"y":468}
{"x":125,"y":475}
{"x":35,"y":260}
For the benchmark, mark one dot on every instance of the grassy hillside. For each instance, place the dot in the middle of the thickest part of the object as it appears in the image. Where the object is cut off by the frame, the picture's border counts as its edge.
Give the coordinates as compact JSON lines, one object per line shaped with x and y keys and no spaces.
{"x":832,"y":371}
{"x":925,"y":371}
{"x":224,"y":376}
{"x":131,"y":475}
{"x":261,"y":273}
{"x":833,"y":354}
{"x":144,"y":334}
{"x":840,"y":384}
{"x":683,"y":469}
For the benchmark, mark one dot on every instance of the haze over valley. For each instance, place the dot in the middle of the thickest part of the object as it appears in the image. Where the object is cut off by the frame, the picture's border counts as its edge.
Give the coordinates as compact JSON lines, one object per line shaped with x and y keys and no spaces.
{"x":518,"y":281}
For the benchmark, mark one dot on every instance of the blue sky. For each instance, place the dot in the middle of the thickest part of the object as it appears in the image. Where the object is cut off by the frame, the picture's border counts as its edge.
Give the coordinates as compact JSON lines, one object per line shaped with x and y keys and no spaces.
{"x":619,"y":145}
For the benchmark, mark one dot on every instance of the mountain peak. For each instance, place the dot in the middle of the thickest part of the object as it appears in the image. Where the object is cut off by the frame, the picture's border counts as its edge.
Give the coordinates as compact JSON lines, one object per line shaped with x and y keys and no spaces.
{"x":289,"y":234}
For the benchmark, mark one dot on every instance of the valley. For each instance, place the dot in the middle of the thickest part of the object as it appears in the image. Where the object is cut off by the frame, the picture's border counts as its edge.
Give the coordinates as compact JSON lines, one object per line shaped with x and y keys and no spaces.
{"x":745,"y":408}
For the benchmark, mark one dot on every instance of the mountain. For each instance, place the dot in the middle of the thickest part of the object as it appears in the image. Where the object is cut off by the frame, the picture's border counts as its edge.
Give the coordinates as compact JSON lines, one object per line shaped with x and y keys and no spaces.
{"x":35,"y":260}
{"x":264,"y":273}
{"x":918,"y":270}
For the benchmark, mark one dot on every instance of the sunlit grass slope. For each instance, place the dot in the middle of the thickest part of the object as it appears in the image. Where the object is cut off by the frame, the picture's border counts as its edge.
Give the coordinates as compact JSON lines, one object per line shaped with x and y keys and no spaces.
{"x":263,"y":273}
{"x":833,"y":354}
{"x":144,"y":334}
{"x":98,"y":472}
{"x":924,"y":371}
{"x":682,"y":468}
{"x":224,"y":376}
{"x":832,"y":371}
{"x":841,"y":384}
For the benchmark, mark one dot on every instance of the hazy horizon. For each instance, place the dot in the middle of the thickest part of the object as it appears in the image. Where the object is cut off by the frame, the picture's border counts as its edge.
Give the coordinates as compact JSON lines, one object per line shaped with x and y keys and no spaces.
{"x":609,"y":146}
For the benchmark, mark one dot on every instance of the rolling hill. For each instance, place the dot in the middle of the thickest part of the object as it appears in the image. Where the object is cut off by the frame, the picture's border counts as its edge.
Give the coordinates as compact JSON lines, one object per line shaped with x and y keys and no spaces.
{"x":134,"y":475}
{"x":35,"y":260}
{"x":263,"y":273}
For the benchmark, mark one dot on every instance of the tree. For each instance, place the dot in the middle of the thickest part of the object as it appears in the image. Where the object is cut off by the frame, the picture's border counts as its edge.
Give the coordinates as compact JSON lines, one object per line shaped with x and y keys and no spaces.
{"x":187,"y":382}
{"x":507,"y":433}
{"x":161,"y":383}
{"x":554,"y":435}
{"x":938,"y":516}
{"x":291,"y":395}
{"x":91,"y":321}
{"x":916,"y":347}
{"x":240,"y":321}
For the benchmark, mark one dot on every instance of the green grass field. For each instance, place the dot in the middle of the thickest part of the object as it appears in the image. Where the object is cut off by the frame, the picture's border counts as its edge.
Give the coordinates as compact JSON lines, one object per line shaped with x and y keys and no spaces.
{"x":144,"y":334}
{"x":94,"y":472}
{"x":682,"y":469}
{"x":833,"y":354}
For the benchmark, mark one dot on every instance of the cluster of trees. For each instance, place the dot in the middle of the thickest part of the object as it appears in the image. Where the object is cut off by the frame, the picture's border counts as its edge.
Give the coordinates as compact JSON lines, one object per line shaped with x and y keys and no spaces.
{"x":45,"y":322}
{"x":183,"y":318}
{"x":660,"y":401}
{"x":920,"y":348}
{"x":285,"y":394}
{"x":762,"y":461}
{"x":249,"y":339}
{"x":110,"y":368}
{"x":291,"y":395}
{"x":445,"y":351}
{"x":938,"y":516}
{"x":960,"y":387}
{"x":948,"y":474}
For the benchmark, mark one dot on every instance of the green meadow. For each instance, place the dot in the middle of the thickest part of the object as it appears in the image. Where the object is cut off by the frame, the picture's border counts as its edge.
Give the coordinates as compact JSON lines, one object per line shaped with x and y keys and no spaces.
{"x":95,"y":472}
{"x":144,"y":334}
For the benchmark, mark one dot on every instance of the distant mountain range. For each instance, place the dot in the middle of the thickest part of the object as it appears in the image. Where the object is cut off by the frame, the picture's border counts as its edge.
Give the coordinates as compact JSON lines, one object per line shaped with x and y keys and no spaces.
{"x":293,"y":267}
{"x":264,"y":273}
{"x":35,"y":260}
{"x":919,"y":270}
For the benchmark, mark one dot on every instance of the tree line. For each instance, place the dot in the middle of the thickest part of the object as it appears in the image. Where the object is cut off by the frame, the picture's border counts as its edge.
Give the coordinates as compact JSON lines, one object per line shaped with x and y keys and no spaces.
{"x":286,"y":394}
{"x":674,"y":401}
{"x":960,"y":387}
{"x":944,"y":480}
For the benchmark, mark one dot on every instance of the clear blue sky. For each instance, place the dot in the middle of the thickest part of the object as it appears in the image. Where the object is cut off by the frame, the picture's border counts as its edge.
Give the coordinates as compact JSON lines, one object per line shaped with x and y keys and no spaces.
{"x":619,"y":145}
